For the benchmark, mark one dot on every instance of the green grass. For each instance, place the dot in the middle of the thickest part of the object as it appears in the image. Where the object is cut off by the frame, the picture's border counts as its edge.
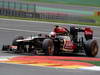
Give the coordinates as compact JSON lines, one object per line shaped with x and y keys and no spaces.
{"x":97,"y":18}
{"x":67,"y":22}
{"x":72,"y":2}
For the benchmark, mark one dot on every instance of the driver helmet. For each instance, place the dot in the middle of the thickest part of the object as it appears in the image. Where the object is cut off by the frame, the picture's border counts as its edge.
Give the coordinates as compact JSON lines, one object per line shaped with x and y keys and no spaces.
{"x":52,"y":34}
{"x":60,"y":30}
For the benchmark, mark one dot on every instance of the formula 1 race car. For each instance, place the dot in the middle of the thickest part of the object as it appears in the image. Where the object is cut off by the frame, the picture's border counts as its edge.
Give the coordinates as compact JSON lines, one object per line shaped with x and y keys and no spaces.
{"x":58,"y":41}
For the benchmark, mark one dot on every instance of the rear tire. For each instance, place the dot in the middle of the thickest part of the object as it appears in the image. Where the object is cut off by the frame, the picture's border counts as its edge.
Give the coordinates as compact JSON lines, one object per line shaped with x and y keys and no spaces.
{"x":91,"y":48}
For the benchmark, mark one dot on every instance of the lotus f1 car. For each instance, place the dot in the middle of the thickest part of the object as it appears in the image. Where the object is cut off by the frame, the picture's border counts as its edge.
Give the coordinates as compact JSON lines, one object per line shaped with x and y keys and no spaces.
{"x":58,"y":41}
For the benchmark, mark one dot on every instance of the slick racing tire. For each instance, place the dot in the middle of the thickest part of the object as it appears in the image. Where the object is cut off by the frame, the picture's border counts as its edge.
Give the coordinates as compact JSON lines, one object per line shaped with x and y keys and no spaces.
{"x":91,"y":48}
{"x":48,"y":47}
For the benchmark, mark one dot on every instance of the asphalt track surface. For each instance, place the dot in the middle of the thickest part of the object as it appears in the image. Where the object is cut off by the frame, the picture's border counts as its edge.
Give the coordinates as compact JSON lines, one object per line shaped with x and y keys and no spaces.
{"x":11,"y":69}
{"x":11,"y":28}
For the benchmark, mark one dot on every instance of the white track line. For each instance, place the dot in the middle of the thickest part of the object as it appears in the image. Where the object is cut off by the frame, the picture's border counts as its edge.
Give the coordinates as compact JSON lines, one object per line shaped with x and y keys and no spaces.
{"x":96,"y":37}
{"x":10,"y":29}
{"x":47,"y":22}
{"x":93,"y":68}
{"x":38,"y":22}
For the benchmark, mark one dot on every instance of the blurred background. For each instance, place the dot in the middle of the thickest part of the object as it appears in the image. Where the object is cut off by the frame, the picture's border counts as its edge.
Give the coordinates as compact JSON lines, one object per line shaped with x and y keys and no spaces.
{"x":68,"y":11}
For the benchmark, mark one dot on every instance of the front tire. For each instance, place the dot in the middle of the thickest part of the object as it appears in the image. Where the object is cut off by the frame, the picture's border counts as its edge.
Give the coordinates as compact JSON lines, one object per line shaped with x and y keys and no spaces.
{"x":48,"y":47}
{"x":91,"y":48}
